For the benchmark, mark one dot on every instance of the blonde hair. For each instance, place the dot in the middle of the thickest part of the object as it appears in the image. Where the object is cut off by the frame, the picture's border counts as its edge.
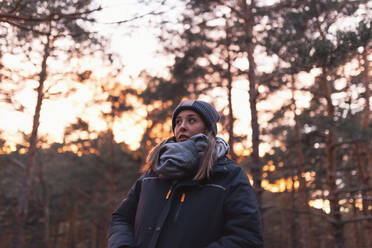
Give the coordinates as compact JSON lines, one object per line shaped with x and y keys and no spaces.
{"x":206,"y":163}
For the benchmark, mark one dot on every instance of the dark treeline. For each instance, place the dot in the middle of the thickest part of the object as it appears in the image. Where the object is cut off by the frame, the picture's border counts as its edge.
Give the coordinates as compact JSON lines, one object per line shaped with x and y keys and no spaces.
{"x":319,"y":138}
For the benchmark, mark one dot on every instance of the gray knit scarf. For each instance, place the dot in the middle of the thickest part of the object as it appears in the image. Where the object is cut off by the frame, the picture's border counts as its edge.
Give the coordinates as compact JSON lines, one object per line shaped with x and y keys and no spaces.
{"x":179,"y":160}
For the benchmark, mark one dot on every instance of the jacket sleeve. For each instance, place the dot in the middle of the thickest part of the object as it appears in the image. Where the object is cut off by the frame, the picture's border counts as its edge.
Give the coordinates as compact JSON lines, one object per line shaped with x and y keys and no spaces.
{"x":121,"y":232}
{"x":242,"y":228}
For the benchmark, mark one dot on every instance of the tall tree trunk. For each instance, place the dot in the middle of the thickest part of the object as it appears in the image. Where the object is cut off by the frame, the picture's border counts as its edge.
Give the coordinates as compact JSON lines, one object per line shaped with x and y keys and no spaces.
{"x":111,"y":172}
{"x":45,"y":198}
{"x":367,"y":95}
{"x":231,"y":119}
{"x":55,"y":235}
{"x":359,"y":237}
{"x":366,"y":167}
{"x":144,"y":146}
{"x":282,"y":232}
{"x":256,"y":168}
{"x":101,"y":235}
{"x":93,"y":235}
{"x":285,"y":222}
{"x":338,"y":240}
{"x":23,"y":200}
{"x":294,"y":215}
{"x":364,"y":178}
{"x":305,"y":219}
{"x":72,"y":230}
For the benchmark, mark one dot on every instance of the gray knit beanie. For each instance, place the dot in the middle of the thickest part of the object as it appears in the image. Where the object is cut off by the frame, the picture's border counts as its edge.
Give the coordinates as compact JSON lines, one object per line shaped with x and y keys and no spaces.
{"x":206,"y":111}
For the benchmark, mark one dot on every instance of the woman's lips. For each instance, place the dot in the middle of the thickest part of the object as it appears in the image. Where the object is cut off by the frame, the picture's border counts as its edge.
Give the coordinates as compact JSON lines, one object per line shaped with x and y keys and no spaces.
{"x":182,"y":138}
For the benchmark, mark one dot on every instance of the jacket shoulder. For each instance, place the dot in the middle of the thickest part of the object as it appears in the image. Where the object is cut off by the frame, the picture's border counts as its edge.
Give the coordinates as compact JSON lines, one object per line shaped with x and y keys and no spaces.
{"x":227,"y":171}
{"x":227,"y":165}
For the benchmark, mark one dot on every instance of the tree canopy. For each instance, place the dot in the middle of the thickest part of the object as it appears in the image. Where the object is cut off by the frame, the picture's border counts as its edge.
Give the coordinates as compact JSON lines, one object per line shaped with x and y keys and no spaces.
{"x":303,"y":66}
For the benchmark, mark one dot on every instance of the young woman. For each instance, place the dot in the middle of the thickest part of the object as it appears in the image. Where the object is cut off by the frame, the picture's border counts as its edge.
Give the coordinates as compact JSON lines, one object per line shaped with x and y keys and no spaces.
{"x":190,"y":195}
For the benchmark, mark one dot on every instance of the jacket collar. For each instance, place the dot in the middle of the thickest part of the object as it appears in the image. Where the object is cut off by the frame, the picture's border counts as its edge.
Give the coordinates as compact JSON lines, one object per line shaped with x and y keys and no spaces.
{"x":221,"y":165}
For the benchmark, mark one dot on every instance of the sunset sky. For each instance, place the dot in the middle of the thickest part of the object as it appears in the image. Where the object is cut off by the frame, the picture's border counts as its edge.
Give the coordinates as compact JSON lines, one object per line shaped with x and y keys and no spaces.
{"x":136,"y":44}
{"x":136,"y":47}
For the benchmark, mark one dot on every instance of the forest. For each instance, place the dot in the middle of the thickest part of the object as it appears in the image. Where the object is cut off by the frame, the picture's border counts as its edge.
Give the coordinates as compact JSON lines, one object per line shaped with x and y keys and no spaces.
{"x":291,"y":80}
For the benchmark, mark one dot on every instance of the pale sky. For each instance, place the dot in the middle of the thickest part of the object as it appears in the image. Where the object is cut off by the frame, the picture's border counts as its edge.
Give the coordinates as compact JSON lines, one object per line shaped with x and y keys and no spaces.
{"x":136,"y":43}
{"x":136,"y":47}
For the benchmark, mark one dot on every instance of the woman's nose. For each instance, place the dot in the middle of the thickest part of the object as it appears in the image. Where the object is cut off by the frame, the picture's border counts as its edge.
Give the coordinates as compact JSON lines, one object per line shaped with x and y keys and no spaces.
{"x":183,"y":125}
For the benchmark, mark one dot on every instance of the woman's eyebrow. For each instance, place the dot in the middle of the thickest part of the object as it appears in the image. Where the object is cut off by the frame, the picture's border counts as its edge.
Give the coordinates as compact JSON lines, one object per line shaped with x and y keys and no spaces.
{"x":189,"y":115}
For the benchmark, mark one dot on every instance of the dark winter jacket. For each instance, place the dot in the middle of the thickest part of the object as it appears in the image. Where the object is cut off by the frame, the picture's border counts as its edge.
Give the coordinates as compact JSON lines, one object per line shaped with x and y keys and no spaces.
{"x":165,"y":213}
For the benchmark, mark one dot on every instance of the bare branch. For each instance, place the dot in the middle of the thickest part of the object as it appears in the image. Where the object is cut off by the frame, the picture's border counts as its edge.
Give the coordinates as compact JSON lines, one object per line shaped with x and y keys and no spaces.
{"x":298,"y":211}
{"x":355,"y":219}
{"x":135,"y":18}
{"x":17,"y":162}
{"x":362,"y":188}
{"x":153,"y":12}
{"x":50,"y":17}
{"x":16,"y":7}
{"x":25,"y":28}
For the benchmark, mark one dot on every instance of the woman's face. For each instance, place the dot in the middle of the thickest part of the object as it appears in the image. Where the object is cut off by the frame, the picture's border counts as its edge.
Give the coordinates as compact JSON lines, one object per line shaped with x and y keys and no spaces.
{"x":188,"y":123}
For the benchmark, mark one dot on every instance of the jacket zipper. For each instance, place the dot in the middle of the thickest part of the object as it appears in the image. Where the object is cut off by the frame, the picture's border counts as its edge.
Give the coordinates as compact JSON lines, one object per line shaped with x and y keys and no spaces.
{"x":178,"y":210}
{"x":169,"y":193}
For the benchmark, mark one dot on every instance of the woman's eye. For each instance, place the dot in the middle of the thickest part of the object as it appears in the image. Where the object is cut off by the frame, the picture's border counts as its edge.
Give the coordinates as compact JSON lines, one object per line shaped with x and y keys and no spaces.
{"x":192,"y":121}
{"x":178,"y":122}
